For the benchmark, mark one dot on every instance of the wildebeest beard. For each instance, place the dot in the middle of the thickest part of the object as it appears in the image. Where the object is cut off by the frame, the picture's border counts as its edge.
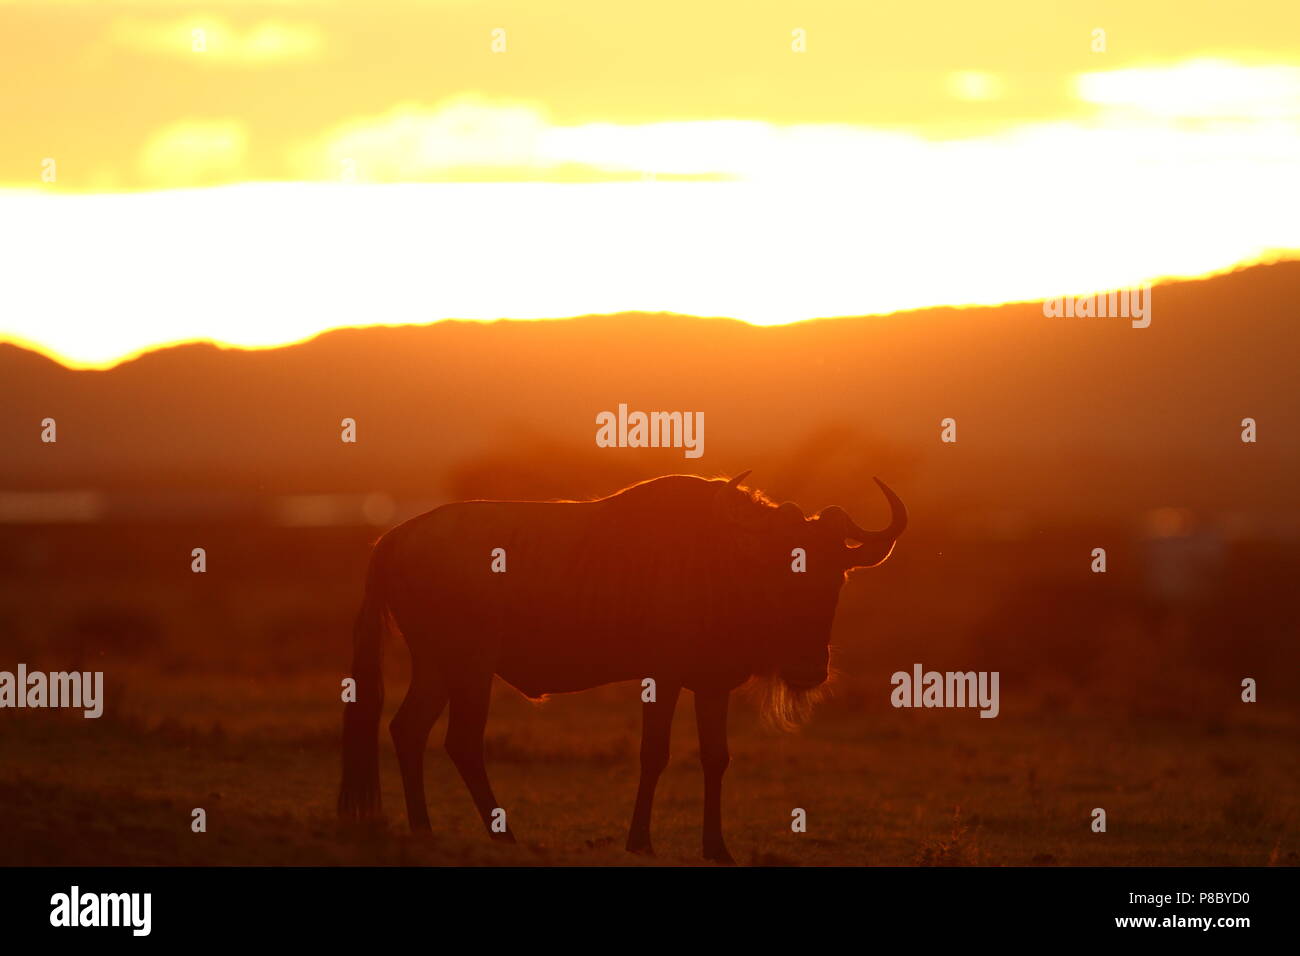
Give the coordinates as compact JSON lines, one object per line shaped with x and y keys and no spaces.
{"x":770,"y":633}
{"x":783,"y":706}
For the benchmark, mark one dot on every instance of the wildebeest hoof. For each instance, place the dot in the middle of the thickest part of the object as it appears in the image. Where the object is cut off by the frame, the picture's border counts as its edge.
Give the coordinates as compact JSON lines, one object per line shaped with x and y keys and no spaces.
{"x":720,"y":855}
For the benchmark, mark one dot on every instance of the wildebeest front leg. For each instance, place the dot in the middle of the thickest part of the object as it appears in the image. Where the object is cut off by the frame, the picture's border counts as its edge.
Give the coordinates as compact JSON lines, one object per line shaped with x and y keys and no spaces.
{"x":711,"y":720}
{"x":656,"y":732}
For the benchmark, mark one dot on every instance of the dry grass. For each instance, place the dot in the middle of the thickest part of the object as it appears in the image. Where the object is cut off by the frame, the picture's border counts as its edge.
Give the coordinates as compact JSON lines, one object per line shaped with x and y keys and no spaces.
{"x":223,"y":693}
{"x":879,"y":786}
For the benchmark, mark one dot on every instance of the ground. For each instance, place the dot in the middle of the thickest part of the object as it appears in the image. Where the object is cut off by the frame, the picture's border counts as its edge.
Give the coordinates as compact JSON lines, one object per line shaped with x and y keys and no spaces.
{"x":880,"y":786}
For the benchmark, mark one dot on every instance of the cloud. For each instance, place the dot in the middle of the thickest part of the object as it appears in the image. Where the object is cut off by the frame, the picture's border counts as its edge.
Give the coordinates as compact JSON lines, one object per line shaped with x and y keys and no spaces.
{"x":413,"y":142}
{"x":474,"y":138}
{"x":1198,"y":89}
{"x":469,"y":138}
{"x":212,"y":40}
{"x":194,"y":153}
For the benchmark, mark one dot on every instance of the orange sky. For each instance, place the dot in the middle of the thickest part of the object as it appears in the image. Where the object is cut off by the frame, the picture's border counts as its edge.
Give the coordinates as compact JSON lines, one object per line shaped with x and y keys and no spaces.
{"x":769,"y":161}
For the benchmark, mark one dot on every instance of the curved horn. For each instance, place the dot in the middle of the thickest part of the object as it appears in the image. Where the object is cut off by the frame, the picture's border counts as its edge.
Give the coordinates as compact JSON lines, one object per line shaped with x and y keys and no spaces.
{"x":897,"y":513}
{"x":876,"y":546}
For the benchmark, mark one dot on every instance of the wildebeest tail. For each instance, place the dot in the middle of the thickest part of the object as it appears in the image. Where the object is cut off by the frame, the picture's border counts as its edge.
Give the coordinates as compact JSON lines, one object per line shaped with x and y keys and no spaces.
{"x":359,"y":791}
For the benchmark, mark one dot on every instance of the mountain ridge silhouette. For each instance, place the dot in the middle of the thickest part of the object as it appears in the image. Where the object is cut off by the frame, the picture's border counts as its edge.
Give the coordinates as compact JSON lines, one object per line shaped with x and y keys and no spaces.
{"x":1046,"y":407}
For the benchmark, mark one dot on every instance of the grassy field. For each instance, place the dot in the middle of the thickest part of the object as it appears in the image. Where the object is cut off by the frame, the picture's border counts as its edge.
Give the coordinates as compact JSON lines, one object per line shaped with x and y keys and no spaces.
{"x":882,"y":787}
{"x":222,"y":692}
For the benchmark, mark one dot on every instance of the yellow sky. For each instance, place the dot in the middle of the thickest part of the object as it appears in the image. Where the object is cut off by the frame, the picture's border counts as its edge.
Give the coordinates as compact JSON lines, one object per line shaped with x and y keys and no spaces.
{"x":253,"y":172}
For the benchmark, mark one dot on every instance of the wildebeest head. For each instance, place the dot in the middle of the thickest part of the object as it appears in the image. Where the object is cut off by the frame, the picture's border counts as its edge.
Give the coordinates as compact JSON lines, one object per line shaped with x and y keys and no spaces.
{"x":794,"y":567}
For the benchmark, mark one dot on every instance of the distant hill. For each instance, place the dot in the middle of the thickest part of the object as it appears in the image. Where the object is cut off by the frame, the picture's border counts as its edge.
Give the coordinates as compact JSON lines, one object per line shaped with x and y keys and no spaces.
{"x":1070,"y":418}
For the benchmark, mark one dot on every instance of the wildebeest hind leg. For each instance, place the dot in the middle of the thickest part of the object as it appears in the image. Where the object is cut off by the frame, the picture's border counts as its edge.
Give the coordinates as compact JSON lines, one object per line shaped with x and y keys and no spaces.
{"x":470,"y":696}
{"x":656,"y":733}
{"x":425,"y":700}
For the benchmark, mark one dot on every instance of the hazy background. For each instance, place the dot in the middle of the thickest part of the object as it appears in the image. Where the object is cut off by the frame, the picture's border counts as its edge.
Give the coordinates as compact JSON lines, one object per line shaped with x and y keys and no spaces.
{"x":1119,"y":690}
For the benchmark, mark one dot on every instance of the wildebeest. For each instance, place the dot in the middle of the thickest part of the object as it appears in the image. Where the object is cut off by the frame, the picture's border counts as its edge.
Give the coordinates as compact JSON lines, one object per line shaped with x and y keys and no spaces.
{"x":688,"y":581}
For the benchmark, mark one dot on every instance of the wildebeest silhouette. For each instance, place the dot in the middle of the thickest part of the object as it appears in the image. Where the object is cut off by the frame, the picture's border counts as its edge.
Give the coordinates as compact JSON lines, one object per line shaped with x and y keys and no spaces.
{"x":689,"y":581}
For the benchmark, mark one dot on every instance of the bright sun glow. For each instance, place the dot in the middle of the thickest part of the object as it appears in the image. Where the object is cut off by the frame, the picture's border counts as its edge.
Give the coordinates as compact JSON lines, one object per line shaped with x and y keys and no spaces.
{"x":787,"y":222}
